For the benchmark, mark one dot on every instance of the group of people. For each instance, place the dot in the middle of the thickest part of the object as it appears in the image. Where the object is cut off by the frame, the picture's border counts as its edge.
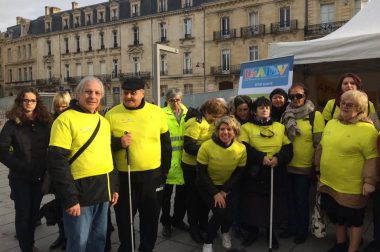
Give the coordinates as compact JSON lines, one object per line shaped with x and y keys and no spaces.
{"x":250,"y":162}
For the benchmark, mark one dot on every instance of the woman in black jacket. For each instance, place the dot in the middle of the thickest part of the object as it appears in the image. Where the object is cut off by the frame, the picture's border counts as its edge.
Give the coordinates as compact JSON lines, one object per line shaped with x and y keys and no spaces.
{"x":23,"y":143}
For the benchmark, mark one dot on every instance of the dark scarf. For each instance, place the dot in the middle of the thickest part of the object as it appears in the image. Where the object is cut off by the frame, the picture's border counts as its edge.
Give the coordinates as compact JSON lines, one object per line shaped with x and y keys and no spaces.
{"x":276,"y":113}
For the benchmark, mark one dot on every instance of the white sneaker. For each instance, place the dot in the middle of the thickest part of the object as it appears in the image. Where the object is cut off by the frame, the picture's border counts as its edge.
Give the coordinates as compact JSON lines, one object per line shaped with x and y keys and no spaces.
{"x":226,"y":240}
{"x":207,"y":248}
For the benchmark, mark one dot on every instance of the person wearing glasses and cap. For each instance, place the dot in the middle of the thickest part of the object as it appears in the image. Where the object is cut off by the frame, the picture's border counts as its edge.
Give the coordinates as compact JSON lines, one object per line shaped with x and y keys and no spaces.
{"x":304,"y":128}
{"x":140,"y":134}
{"x":23,"y":143}
{"x":267,"y":148}
{"x":175,"y":113}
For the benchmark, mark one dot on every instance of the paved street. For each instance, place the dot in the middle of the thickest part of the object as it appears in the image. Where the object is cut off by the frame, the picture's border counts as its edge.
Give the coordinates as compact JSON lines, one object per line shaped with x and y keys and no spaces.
{"x":179,"y":242}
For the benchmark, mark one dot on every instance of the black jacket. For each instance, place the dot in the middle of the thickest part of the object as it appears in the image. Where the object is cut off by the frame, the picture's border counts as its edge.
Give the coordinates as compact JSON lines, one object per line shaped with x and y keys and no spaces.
{"x":86,"y":191}
{"x":23,"y":149}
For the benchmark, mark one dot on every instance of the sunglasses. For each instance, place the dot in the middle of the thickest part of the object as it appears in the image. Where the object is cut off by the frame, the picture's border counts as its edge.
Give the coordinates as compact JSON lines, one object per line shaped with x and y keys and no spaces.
{"x":296,"y":96}
{"x":267,"y":133}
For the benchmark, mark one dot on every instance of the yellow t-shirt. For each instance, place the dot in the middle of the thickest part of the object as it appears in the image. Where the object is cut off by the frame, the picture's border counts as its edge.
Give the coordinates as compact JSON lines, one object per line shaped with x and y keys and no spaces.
{"x":250,"y":133}
{"x":146,"y":126}
{"x":221,"y":162}
{"x":344,"y":151}
{"x":198,"y":131}
{"x":330,"y":105}
{"x":303,"y":149}
{"x":71,"y":130}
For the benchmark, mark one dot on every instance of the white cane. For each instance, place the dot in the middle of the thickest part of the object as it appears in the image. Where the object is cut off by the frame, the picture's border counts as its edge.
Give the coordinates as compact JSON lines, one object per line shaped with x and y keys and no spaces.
{"x":130,"y":197}
{"x":271,"y":209}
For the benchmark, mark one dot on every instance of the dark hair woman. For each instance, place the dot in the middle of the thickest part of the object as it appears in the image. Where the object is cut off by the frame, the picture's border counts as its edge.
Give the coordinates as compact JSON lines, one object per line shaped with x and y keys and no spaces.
{"x":304,"y":128}
{"x":348,"y":81}
{"x":279,"y":100}
{"x":348,"y":171}
{"x":23,"y":143}
{"x":267,"y":148}
{"x":240,"y":107}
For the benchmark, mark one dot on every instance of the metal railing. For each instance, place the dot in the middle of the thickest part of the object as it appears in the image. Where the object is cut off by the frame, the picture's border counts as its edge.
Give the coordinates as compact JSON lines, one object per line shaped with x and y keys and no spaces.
{"x":285,"y":26}
{"x":187,"y":71}
{"x":224,"y":34}
{"x":142,"y":75}
{"x":322,"y":29}
{"x":253,"y":30}
{"x":225,"y":70}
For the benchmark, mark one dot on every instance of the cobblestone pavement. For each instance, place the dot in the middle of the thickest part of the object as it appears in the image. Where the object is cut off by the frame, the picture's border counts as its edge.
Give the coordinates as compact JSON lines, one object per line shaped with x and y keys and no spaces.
{"x":179,"y":242}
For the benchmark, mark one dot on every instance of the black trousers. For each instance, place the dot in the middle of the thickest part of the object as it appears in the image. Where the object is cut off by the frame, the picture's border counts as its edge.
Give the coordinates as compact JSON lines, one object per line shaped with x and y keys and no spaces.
{"x":27,"y":197}
{"x":221,"y":217}
{"x":197,"y":210}
{"x":179,"y":205}
{"x":376,"y":215}
{"x":146,"y":198}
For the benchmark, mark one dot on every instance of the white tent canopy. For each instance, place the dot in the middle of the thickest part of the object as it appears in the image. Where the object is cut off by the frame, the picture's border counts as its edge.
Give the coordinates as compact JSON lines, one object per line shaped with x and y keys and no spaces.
{"x":357,"y":39}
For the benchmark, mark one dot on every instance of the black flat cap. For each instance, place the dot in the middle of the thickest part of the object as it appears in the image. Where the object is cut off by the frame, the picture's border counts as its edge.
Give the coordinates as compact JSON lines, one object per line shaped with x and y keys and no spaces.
{"x":133,"y":84}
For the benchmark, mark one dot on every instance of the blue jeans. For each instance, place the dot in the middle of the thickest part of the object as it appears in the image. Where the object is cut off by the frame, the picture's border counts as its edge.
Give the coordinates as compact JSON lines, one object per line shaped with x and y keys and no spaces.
{"x":87,"y":232}
{"x":27,"y":197}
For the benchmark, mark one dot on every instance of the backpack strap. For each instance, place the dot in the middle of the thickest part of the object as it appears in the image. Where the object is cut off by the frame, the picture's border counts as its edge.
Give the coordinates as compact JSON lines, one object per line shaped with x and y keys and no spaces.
{"x":311,"y":120}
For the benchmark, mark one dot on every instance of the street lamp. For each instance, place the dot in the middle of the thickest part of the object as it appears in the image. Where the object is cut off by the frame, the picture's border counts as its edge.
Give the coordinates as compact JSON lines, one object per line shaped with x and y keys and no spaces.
{"x":202,"y":64}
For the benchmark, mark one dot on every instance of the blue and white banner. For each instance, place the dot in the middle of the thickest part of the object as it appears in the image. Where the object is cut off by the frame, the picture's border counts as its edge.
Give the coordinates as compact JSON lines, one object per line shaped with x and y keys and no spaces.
{"x":262,"y":76}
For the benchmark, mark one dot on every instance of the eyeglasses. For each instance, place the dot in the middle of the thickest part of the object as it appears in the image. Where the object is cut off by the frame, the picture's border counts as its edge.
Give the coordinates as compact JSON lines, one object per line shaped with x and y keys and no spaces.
{"x":27,"y":101}
{"x":298,"y":96}
{"x":348,"y":105}
{"x":268,"y":133}
{"x":175,"y":100}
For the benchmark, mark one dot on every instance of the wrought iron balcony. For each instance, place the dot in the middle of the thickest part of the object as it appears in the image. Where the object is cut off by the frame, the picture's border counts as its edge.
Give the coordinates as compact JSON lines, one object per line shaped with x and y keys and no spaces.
{"x":187,"y":71}
{"x":253,"y":30}
{"x":323,"y":29}
{"x":114,"y":18}
{"x":104,"y":77}
{"x":224,"y":34}
{"x":49,"y":81}
{"x":187,"y":35}
{"x":164,"y":72}
{"x":142,"y":75}
{"x":73,"y":80}
{"x":76,"y":25}
{"x":163,"y":39}
{"x":225,"y":70}
{"x":65,"y":27}
{"x":135,"y":14}
{"x":101,"y":20}
{"x":285,"y":26}
{"x":187,"y":5}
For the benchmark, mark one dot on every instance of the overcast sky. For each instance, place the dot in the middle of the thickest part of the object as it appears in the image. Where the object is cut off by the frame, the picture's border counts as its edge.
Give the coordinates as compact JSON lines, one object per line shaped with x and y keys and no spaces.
{"x":32,"y":9}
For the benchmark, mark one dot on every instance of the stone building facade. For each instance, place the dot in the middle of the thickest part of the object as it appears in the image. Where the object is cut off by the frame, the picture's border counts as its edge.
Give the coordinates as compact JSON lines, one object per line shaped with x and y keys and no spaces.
{"x":114,"y":40}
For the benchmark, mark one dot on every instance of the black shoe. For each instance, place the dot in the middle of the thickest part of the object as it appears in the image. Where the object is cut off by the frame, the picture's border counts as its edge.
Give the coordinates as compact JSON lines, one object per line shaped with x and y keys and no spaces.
{"x":251,"y":237}
{"x":196,"y":236}
{"x":299,"y":239}
{"x":63,"y":247}
{"x":182,"y":226}
{"x":339,"y":247}
{"x":285,"y":234}
{"x":373,"y":246}
{"x":58,"y":243}
{"x":167,"y":231}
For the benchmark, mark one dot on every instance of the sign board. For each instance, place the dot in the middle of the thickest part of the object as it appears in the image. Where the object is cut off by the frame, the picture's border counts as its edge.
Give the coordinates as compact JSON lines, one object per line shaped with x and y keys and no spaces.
{"x":262,"y":76}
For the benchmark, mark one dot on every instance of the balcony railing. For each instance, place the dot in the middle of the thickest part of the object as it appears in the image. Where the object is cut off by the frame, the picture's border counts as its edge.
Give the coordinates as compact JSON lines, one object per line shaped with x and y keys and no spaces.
{"x":187,"y":35}
{"x":73,"y":80}
{"x":225,"y":34}
{"x":65,"y":27}
{"x":187,"y":71}
{"x":164,"y":72}
{"x":286,"y":26}
{"x":323,"y":29}
{"x":76,"y":25}
{"x":225,"y":70}
{"x":253,"y":30}
{"x":135,"y":14}
{"x":114,"y":18}
{"x":49,"y":81}
{"x":163,"y":39}
{"x":104,"y":77}
{"x":187,"y":5}
{"x":142,"y":75}
{"x":101,"y":20}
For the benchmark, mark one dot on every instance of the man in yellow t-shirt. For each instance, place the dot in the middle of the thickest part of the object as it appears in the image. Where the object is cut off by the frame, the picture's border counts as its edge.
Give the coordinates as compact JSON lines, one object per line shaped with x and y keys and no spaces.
{"x":139,"y":128}
{"x":86,"y":185}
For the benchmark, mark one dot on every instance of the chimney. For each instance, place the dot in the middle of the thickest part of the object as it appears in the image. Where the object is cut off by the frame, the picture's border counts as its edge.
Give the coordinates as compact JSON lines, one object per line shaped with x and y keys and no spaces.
{"x":74,"y":5}
{"x":47,"y":10}
{"x":18,"y":20}
{"x":54,"y":10}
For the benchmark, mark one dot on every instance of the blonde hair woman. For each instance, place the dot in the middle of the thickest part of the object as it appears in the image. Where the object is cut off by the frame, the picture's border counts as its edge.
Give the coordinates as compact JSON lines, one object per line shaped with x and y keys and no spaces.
{"x":61,"y":101}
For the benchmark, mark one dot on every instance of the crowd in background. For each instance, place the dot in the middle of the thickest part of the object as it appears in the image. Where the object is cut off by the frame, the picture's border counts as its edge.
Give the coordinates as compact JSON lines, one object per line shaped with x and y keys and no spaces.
{"x":244,"y":166}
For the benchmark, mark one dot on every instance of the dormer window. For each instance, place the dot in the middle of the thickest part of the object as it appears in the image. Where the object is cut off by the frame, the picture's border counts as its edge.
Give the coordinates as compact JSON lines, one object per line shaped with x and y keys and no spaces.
{"x":76,"y":21}
{"x":114,"y":10}
{"x":187,"y":3}
{"x":47,"y":27}
{"x":88,"y":19}
{"x":114,"y":15}
{"x":101,"y":17}
{"x":135,"y":9}
{"x":162,"y":5}
{"x":65,"y":23}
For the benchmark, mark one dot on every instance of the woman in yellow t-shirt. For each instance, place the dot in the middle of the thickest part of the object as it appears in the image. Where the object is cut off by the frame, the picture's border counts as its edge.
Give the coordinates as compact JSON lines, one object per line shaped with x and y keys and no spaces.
{"x":220,"y":163}
{"x":304,"y":128}
{"x":267,"y":148}
{"x":348,"y":81}
{"x":348,"y":168}
{"x":199,"y":126}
